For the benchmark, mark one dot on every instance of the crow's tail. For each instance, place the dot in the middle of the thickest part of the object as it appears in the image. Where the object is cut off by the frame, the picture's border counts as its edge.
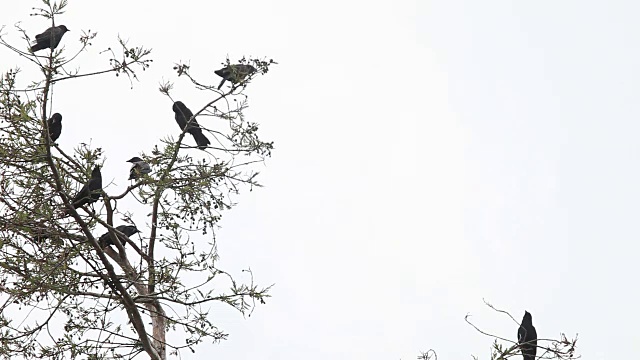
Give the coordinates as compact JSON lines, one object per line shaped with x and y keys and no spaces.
{"x":200,"y":139}
{"x":38,"y":46}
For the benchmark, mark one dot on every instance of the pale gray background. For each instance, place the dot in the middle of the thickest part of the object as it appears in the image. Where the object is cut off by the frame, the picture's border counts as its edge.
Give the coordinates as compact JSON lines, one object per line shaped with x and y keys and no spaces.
{"x":429,"y":154}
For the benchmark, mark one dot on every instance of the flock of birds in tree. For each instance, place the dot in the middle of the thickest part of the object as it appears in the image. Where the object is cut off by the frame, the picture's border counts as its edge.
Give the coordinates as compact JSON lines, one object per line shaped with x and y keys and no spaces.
{"x":90,"y":192}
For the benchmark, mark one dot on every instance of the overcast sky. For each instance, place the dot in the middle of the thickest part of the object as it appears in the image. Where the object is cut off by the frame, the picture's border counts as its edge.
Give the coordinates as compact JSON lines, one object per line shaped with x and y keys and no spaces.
{"x":429,"y":154}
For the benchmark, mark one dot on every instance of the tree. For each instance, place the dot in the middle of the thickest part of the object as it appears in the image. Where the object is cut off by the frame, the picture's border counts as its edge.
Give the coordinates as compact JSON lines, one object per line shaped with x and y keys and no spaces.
{"x":507,"y":347}
{"x":63,"y":294}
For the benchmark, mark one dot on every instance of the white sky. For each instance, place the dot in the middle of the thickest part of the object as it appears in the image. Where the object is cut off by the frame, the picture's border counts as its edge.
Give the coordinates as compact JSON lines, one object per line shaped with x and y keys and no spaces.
{"x":429,"y":154}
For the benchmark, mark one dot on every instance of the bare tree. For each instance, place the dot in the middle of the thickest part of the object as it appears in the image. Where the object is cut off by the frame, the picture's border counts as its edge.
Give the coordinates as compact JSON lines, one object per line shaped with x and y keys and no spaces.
{"x":63,"y":293}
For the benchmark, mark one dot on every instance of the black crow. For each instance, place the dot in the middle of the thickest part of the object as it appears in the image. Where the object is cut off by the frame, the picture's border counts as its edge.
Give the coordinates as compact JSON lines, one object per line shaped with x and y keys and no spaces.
{"x":528,"y":337}
{"x":90,"y":192}
{"x":139,"y":167}
{"x":50,"y":38}
{"x":55,"y":126}
{"x":183,"y":114}
{"x":128,"y":230}
{"x":234,"y":73}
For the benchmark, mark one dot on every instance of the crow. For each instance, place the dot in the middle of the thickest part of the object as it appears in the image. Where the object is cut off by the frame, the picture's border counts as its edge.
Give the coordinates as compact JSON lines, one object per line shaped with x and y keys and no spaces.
{"x":55,"y":126}
{"x":527,"y":337}
{"x":90,"y":192}
{"x":128,"y":230}
{"x":183,"y":114}
{"x":234,"y":73}
{"x":139,"y":167}
{"x":50,"y":38}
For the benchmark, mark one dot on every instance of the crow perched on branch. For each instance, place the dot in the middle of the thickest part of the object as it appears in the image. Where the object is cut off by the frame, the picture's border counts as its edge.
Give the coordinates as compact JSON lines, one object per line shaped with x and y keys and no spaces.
{"x":106,"y":240}
{"x":234,"y":73}
{"x":90,"y":192}
{"x":139,"y":168}
{"x":50,"y":38}
{"x":183,"y":114}
{"x":55,"y":126}
{"x":527,"y":337}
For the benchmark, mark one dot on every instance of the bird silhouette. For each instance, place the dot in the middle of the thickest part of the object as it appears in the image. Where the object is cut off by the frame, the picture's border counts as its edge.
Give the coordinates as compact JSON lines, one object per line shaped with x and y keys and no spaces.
{"x":234,"y":73}
{"x":50,"y":38}
{"x":128,"y":230}
{"x":139,"y":167}
{"x":183,"y":114}
{"x":90,"y":192}
{"x":527,"y":338}
{"x":55,"y":126}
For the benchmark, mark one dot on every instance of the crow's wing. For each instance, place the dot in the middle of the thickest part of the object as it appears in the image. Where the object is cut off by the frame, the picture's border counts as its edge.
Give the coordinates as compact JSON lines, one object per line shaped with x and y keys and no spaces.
{"x":46,"y":33}
{"x":95,"y":185}
{"x":84,"y":192}
{"x":180,"y":120}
